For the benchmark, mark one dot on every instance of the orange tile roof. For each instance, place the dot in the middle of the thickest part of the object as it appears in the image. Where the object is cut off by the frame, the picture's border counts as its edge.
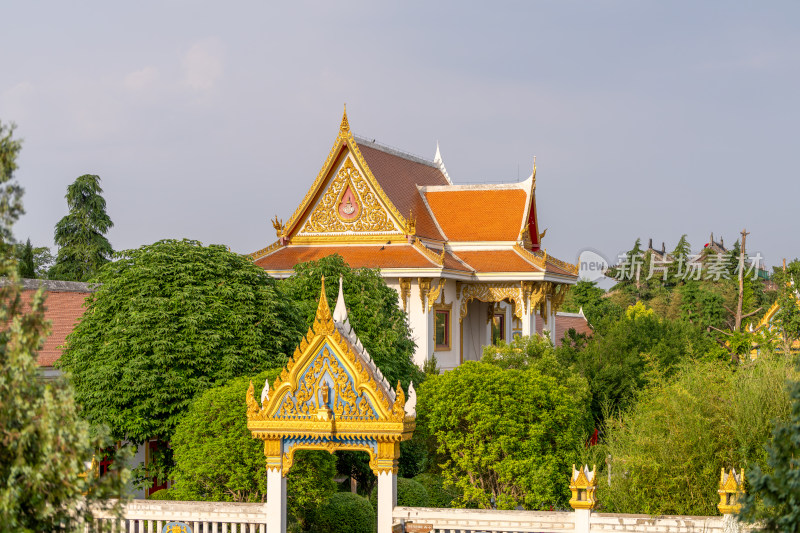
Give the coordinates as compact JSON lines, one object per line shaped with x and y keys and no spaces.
{"x":564,"y":324}
{"x":63,"y":309}
{"x":399,"y":176}
{"x":375,"y":256}
{"x":479,"y":214}
{"x":497,"y":261}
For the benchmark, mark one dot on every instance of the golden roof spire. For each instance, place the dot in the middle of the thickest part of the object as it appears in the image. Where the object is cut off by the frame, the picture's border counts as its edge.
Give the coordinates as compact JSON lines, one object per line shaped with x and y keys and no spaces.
{"x":323,"y":321}
{"x":345,"y":125}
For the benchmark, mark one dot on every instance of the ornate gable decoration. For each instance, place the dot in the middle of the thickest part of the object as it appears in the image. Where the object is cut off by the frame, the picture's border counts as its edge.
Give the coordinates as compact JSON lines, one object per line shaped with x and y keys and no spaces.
{"x":331,"y":396}
{"x":345,"y":197}
{"x":349,"y":205}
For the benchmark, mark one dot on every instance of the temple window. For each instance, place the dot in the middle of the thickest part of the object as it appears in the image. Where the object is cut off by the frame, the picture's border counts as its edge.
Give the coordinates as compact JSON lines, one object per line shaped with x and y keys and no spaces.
{"x":498,"y":328}
{"x":441,"y":327}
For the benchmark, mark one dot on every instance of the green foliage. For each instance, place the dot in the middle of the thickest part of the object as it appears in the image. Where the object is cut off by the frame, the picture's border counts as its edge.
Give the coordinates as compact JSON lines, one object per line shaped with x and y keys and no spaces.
{"x":216,"y":456}
{"x":163,"y":494}
{"x":596,"y":306}
{"x":439,"y":496}
{"x":787,"y":319}
{"x":80,"y":235}
{"x":25,"y":262}
{"x":666,"y":451}
{"x":507,"y":434}
{"x":171,"y":320}
{"x":772,"y":500}
{"x":521,"y":353}
{"x":373,"y":310}
{"x":44,"y":445}
{"x":623,"y":359}
{"x":345,"y":512}
{"x":411,"y":493}
{"x":309,"y":484}
{"x":10,"y":191}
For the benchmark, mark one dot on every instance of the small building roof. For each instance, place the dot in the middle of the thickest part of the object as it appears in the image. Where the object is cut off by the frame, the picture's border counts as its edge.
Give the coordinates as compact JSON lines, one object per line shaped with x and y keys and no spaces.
{"x":64,"y":307}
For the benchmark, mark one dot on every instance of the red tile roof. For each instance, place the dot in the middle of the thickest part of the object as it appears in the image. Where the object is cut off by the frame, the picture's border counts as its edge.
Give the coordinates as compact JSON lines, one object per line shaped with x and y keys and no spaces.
{"x":480,"y":214}
{"x":64,"y":307}
{"x":497,"y":261}
{"x":565,"y":322}
{"x":369,"y":256}
{"x":399,"y":176}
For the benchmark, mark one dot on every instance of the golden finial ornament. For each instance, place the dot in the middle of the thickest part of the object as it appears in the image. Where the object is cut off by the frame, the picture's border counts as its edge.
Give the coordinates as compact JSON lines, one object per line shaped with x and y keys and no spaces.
{"x":344,"y":127}
{"x":277,"y":223}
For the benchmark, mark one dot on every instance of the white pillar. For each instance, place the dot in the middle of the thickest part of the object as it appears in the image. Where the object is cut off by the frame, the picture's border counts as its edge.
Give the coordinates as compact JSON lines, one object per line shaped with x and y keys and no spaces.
{"x":276,"y":501}
{"x":387,"y":500}
{"x":551,"y":321}
{"x":582,"y":520}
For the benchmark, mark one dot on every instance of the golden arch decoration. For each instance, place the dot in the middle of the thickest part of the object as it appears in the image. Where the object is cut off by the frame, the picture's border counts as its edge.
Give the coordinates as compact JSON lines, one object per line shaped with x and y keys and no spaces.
{"x":331,"y":396}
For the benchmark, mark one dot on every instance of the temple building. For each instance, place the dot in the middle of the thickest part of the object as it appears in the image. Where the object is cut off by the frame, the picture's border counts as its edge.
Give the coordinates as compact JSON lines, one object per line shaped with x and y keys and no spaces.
{"x":466,"y":260}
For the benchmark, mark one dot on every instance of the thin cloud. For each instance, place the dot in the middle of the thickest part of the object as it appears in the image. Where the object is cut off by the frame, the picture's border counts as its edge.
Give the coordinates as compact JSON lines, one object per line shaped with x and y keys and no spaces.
{"x":203,"y":64}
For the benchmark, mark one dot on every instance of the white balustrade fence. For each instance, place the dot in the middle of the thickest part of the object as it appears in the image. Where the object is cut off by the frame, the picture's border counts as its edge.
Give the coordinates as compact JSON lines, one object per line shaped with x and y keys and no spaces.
{"x":150,"y":516}
{"x":492,"y":521}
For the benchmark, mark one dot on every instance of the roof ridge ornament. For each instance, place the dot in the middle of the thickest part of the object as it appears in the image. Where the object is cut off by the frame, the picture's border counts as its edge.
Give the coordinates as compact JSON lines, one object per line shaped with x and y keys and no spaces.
{"x":344,"y":127}
{"x":340,"y":311}
{"x":437,"y":160}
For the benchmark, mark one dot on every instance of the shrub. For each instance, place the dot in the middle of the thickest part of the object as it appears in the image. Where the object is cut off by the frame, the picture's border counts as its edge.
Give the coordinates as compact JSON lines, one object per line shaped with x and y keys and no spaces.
{"x":163,"y":494}
{"x":345,"y":512}
{"x":411,"y":493}
{"x":438,"y":495}
{"x":506,"y":434}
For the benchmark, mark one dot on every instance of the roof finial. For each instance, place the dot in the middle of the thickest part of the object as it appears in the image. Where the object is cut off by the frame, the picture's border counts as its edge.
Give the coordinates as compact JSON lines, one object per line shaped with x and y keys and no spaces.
{"x":345,"y":125}
{"x":340,"y":311}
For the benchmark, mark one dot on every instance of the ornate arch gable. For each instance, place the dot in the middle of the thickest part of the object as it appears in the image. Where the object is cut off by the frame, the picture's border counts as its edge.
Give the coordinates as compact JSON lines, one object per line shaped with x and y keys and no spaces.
{"x":331,"y":396}
{"x":318,"y":215}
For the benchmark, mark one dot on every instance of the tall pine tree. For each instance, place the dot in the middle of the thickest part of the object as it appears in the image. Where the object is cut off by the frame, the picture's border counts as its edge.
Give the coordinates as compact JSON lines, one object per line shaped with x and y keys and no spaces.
{"x":83,"y":247}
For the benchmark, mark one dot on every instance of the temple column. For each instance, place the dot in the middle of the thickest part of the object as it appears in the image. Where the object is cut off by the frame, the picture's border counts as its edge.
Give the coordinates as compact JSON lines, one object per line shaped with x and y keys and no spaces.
{"x":387,"y":500}
{"x":551,"y":320}
{"x":276,"y":488}
{"x":386,"y":471}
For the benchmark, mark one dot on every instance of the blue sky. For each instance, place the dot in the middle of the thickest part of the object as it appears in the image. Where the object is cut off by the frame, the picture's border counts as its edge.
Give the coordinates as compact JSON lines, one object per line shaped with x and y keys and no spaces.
{"x":204,"y":120}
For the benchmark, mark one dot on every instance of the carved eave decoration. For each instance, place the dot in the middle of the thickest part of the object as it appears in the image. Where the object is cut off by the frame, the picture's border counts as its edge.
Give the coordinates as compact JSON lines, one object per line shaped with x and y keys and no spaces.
{"x":317,"y":214}
{"x":331,"y":396}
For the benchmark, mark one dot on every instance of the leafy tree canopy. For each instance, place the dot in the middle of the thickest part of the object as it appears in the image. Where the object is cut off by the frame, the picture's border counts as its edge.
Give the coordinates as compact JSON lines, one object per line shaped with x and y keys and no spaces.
{"x":169,"y":320}
{"x":665,"y":452}
{"x":507,"y":435}
{"x":80,"y":235}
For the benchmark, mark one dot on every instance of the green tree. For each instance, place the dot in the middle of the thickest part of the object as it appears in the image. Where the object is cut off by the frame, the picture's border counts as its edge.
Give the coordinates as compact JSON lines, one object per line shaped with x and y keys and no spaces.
{"x":773,"y":497}
{"x":171,"y":320}
{"x":598,"y":308}
{"x":10,"y":191}
{"x":623,"y":359}
{"x":44,"y":445}
{"x":25,"y":262}
{"x":43,"y":260}
{"x":83,"y":247}
{"x":217,"y":458}
{"x":505,"y":435}
{"x":667,"y":449}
